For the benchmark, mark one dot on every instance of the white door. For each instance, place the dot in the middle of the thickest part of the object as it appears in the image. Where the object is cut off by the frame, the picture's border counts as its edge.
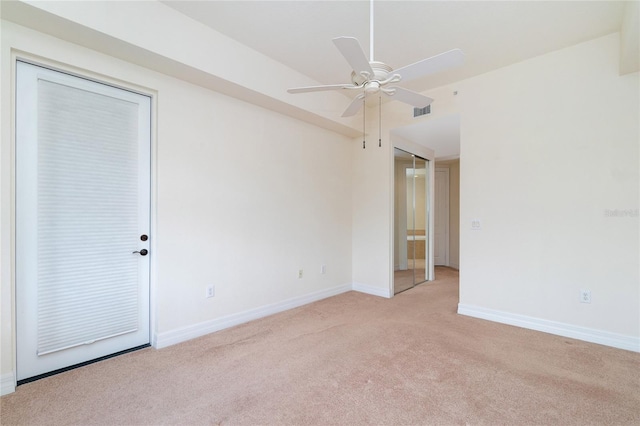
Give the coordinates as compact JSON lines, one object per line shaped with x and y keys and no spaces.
{"x":441,"y":217}
{"x":82,"y":220}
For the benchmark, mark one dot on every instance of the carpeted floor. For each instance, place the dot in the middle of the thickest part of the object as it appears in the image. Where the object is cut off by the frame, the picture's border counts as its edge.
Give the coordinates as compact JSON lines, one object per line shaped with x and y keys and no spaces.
{"x":352,"y":359}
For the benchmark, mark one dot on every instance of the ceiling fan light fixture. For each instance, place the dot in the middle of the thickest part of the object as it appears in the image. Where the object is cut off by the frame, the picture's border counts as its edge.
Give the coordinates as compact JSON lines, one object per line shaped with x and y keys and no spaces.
{"x":372,"y":87}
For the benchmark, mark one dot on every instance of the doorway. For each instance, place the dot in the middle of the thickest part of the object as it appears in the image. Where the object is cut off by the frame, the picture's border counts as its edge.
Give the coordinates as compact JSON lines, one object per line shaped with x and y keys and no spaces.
{"x":411,"y":230}
{"x":441,"y":216}
{"x":447,"y":219}
{"x":83,"y":176}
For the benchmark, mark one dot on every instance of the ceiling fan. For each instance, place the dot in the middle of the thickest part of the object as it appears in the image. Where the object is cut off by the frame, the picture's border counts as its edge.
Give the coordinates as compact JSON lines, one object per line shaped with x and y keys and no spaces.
{"x":371,"y":77}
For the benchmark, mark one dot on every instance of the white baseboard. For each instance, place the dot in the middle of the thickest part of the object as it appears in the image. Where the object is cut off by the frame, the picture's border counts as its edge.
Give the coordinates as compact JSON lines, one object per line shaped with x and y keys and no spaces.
{"x":7,"y":383}
{"x":454,"y":266}
{"x":375,"y":291}
{"x":172,"y":337}
{"x":606,"y":338}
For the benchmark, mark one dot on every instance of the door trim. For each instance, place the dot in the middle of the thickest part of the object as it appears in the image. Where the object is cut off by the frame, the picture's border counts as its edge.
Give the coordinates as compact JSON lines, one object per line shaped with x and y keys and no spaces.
{"x":447,"y":217}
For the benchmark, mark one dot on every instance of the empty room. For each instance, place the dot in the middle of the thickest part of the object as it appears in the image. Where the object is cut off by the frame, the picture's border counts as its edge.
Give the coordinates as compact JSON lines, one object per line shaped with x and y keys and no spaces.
{"x":319,"y":212}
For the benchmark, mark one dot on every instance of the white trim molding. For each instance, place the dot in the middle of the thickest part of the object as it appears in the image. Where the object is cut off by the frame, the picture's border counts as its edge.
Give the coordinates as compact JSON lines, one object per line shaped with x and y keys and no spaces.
{"x":168,"y":338}
{"x":606,"y":338}
{"x":375,"y":291}
{"x":7,"y":383}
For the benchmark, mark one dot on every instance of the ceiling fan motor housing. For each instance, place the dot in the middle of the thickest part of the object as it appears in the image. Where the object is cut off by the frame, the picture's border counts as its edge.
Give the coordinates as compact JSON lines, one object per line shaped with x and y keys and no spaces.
{"x":381,"y":72}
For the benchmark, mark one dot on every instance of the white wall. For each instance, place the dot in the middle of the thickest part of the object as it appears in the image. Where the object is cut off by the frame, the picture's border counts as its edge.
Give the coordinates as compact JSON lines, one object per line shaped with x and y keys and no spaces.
{"x":372,"y":179}
{"x":373,"y":202}
{"x":548,"y":146}
{"x":244,"y":198}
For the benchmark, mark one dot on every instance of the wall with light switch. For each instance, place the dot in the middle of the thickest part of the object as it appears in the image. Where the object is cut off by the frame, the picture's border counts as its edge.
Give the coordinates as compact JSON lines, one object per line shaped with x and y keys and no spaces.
{"x":549,"y":193}
{"x":549,"y":150}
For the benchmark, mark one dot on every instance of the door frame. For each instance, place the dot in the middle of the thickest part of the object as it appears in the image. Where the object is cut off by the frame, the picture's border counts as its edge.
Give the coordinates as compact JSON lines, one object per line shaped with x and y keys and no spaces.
{"x":446,"y":222}
{"x":9,"y":383}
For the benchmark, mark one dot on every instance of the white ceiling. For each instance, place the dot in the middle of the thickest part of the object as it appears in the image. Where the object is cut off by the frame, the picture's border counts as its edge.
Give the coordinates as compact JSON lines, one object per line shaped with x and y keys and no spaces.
{"x":442,"y":134}
{"x":492,"y":34}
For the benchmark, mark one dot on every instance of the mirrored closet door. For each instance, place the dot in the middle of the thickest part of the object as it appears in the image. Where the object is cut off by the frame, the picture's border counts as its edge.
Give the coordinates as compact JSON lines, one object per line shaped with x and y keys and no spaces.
{"x":410,"y":220}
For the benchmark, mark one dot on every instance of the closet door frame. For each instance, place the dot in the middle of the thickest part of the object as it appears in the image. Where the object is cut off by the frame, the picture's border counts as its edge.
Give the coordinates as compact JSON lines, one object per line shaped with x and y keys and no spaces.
{"x":428,"y":155}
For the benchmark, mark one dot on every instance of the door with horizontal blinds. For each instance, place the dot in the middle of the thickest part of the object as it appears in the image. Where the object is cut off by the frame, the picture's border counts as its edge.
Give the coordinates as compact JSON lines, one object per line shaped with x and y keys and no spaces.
{"x":82,"y":220}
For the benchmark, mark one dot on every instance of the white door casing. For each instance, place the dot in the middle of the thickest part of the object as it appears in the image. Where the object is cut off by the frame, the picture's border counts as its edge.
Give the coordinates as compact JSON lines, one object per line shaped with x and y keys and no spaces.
{"x":82,"y":204}
{"x":441,"y":240}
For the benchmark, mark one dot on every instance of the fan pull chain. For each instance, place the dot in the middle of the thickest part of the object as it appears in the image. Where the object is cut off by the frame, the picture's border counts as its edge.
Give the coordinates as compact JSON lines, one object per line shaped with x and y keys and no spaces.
{"x":380,"y":121}
{"x":364,"y":122}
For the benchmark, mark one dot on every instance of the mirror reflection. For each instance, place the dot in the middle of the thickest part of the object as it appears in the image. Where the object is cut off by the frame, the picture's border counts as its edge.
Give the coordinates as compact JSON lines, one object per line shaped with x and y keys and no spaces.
{"x":410,"y":223}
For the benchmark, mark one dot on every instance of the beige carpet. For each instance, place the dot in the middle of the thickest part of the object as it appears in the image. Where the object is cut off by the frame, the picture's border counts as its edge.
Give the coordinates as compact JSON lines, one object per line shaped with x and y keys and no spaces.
{"x":348,"y":360}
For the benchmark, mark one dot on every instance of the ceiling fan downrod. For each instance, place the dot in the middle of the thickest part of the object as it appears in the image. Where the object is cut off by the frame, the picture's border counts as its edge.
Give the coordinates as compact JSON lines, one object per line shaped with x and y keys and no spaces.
{"x":371,"y":32}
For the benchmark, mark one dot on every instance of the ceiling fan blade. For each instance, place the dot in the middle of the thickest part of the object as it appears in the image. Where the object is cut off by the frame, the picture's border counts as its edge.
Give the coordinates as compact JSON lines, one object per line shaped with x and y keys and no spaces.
{"x":353,"y":53}
{"x":354,"y":106}
{"x":320,"y":88}
{"x":432,"y":65}
{"x":408,"y":97}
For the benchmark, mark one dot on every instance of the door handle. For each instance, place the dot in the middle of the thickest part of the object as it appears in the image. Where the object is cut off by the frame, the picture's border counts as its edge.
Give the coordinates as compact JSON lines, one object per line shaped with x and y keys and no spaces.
{"x":142,"y":252}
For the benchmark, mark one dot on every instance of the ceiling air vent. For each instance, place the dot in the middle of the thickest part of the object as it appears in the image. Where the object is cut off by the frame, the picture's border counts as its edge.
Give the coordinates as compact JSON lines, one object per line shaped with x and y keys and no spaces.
{"x":417,"y":112}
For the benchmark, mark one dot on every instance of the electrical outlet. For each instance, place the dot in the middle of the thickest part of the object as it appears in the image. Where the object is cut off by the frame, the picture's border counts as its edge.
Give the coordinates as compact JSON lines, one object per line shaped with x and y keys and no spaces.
{"x":211,"y":291}
{"x":323,"y":269}
{"x":585,"y":296}
{"x":476,"y":225}
{"x":300,"y":273}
